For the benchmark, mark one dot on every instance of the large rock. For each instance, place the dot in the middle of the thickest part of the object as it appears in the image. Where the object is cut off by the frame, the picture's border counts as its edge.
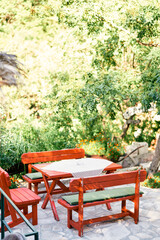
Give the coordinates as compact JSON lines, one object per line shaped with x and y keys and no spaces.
{"x":140,"y":155}
{"x":137,"y":160}
{"x":130,"y":162}
{"x":142,"y":148}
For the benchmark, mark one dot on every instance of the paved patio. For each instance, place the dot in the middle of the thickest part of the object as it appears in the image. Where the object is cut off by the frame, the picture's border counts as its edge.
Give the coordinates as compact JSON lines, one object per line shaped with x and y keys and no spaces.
{"x":125,"y":229}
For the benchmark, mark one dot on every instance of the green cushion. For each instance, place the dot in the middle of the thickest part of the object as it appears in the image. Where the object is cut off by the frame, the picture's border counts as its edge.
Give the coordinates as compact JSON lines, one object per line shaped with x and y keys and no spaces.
{"x":101,"y":195}
{"x":33,"y":176}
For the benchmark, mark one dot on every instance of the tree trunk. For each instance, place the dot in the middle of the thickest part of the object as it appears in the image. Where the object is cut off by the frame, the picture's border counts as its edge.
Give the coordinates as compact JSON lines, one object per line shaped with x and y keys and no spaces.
{"x":156,"y":159}
{"x":127,"y":124}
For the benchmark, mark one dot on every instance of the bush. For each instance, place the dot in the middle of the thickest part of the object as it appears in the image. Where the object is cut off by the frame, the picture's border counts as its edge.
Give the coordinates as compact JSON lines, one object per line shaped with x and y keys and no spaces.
{"x":115,"y":150}
{"x":11,"y":149}
{"x":31,"y":138}
{"x":104,"y":147}
{"x":92,"y":147}
{"x":153,"y":182}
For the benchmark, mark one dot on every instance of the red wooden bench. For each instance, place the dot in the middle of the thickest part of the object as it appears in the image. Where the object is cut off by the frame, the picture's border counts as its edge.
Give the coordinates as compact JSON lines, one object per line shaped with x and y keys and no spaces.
{"x":83,"y":199}
{"x":22,"y":197}
{"x":46,"y":156}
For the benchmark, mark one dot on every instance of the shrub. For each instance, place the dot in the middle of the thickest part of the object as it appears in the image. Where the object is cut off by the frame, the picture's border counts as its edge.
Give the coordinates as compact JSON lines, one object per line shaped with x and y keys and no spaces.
{"x":102,"y":146}
{"x":153,"y":182}
{"x":31,"y":137}
{"x":92,"y":147}
{"x":115,"y":150}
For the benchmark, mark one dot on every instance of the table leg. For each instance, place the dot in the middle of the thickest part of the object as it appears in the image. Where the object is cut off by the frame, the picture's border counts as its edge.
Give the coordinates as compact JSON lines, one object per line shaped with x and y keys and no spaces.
{"x":49,"y":190}
{"x":48,"y":197}
{"x":62,"y":186}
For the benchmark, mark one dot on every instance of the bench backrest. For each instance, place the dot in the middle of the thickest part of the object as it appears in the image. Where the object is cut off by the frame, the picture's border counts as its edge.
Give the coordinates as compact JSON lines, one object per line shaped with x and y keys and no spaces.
{"x":5,"y":183}
{"x":49,"y":156}
{"x":109,"y":180}
{"x":56,"y":155}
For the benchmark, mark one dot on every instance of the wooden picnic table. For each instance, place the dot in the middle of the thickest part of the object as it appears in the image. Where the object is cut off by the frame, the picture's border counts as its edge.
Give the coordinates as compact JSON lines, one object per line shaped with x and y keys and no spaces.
{"x":57,"y":176}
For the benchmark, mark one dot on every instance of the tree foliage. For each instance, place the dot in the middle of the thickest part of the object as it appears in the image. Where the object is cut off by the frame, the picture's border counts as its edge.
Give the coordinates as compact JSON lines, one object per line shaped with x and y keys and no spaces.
{"x":87,"y":62}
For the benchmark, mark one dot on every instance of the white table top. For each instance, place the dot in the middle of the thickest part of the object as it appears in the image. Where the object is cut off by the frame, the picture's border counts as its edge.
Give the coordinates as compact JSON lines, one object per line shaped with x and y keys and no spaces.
{"x":83,"y":167}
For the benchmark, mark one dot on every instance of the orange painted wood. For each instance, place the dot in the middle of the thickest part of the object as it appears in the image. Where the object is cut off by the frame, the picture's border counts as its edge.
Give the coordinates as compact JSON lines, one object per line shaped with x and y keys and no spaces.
{"x":22,"y":197}
{"x":56,"y":155}
{"x":109,"y":180}
{"x":106,"y":218}
{"x":50,"y":173}
{"x":18,"y":221}
{"x":55,"y":176}
{"x":81,"y":185}
{"x":48,"y":156}
{"x":112,"y":167}
{"x":48,"y":197}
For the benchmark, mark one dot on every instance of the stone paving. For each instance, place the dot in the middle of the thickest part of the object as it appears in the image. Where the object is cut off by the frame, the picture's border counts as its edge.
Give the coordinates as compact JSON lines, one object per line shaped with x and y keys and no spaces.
{"x":125,"y":229}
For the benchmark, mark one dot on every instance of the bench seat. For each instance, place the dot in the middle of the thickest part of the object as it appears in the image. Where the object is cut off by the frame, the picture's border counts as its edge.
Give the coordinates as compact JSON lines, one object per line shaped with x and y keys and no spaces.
{"x":33,"y":176}
{"x":23,"y":196}
{"x":101,"y":195}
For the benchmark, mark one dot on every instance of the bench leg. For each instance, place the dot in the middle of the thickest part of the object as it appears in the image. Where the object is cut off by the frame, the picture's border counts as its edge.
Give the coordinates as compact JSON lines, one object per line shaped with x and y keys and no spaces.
{"x":136,"y":210}
{"x":123,"y":206}
{"x":80,"y":222}
{"x":34,"y":214}
{"x":69,"y":218}
{"x":36,"y":188}
{"x":30,"y":186}
{"x":80,"y":230}
{"x":25,"y":210}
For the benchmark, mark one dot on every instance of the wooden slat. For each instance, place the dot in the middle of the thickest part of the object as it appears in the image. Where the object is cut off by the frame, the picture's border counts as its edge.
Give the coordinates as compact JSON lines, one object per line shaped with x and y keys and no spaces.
{"x":53,"y":153}
{"x":106,"y":218}
{"x":23,"y":196}
{"x":7,"y":178}
{"x":51,"y":158}
{"x":115,"y":176}
{"x":50,"y":173}
{"x":46,"y":156}
{"x":107,"y":180}
{"x":25,"y":193}
{"x":74,"y":224}
{"x":113,"y":167}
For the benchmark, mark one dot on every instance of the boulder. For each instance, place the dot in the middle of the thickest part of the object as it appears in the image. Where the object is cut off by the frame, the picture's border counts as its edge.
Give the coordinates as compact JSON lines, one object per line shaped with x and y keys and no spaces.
{"x":139,"y":147}
{"x":135,"y":154}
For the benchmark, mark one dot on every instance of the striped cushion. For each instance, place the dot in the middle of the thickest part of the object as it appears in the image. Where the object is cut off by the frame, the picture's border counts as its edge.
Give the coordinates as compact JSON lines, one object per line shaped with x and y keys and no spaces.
{"x":101,"y":195}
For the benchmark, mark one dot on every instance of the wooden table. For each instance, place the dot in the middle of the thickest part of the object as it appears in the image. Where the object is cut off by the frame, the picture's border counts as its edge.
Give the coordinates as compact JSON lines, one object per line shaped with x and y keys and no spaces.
{"x":56,"y":178}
